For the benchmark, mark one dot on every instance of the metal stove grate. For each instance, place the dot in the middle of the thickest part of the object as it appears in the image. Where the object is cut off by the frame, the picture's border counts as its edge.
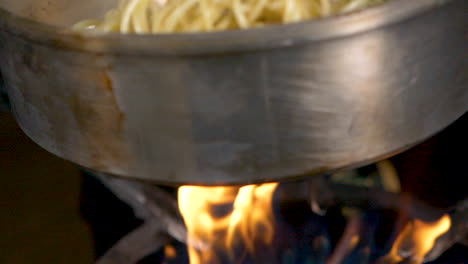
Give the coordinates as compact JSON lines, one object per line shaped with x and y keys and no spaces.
{"x":162,"y":225}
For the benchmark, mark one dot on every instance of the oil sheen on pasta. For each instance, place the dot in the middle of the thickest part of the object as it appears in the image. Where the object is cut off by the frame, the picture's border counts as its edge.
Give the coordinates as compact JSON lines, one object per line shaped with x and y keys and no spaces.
{"x":171,"y":16}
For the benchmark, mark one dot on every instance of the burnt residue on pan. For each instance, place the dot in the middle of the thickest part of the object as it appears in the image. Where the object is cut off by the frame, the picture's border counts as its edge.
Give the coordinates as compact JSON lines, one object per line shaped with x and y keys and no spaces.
{"x":101,"y":122}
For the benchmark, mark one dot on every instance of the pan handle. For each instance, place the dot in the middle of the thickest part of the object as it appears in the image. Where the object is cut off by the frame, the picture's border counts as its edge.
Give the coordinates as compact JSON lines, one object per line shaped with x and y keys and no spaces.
{"x":4,"y":102}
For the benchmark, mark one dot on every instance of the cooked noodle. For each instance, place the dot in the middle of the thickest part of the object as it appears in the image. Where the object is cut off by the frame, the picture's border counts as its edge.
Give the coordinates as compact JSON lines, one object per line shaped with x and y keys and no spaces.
{"x":159,"y":16}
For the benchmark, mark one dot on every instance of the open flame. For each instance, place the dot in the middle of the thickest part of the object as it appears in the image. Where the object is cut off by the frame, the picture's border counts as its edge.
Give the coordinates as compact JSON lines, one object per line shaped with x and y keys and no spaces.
{"x":227,"y":223}
{"x":223,"y":220}
{"x":417,"y":239}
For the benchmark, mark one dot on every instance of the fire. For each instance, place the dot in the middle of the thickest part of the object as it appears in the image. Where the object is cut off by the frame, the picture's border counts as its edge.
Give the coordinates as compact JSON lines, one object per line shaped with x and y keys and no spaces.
{"x":214,"y":235}
{"x":228,"y":224}
{"x":417,"y":239}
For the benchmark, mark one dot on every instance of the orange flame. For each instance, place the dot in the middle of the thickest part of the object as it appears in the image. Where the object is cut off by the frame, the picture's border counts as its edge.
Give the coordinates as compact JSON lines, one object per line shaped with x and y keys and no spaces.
{"x":417,"y":239}
{"x":226,"y":222}
{"x":250,"y":220}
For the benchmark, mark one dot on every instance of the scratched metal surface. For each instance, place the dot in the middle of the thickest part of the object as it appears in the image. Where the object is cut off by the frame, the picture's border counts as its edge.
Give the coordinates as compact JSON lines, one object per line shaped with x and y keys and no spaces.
{"x":244,"y":106}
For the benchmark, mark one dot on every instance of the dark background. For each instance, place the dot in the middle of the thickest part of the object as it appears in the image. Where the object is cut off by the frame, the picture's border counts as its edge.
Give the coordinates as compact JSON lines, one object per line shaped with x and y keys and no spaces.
{"x":39,"y":204}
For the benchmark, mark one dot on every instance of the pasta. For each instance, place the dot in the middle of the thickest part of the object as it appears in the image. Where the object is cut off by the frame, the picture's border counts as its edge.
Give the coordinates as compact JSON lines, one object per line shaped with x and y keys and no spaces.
{"x":171,"y":16}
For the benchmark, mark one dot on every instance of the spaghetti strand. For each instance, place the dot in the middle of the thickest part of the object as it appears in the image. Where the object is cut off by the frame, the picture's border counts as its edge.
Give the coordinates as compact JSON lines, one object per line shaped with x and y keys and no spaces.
{"x":158,"y":16}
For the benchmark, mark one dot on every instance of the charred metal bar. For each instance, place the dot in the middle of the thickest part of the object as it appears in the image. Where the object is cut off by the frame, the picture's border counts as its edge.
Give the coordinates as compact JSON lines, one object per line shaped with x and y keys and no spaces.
{"x":326,"y":193}
{"x":348,"y":241}
{"x":149,"y":202}
{"x":136,"y":245}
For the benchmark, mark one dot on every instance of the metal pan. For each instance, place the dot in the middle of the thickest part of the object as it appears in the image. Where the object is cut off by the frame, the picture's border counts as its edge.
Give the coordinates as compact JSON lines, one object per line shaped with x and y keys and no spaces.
{"x":235,"y":107}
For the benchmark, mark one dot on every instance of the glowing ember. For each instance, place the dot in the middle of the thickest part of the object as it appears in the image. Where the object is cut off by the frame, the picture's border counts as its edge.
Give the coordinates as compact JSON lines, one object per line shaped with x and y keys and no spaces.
{"x":416,"y":240}
{"x":216,"y":236}
{"x":170,"y":252}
